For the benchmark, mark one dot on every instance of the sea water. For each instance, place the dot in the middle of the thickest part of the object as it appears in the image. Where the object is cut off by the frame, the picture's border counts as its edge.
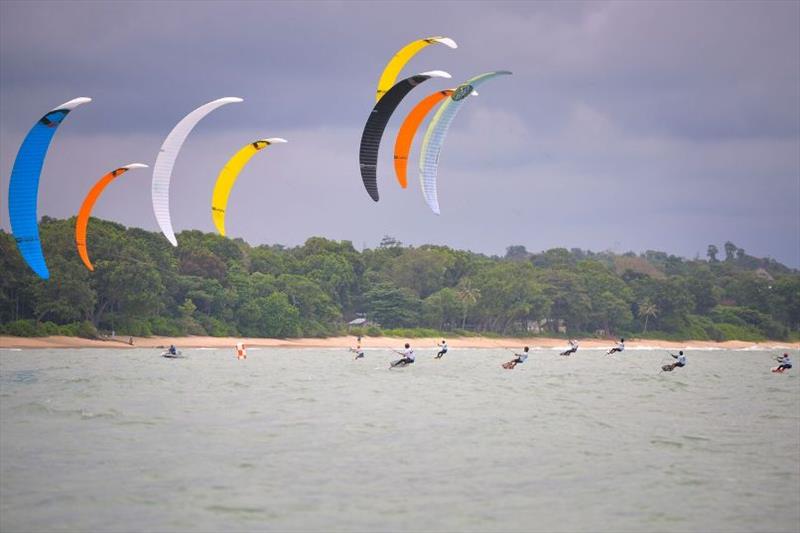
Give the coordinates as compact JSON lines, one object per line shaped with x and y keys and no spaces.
{"x":311,"y":440}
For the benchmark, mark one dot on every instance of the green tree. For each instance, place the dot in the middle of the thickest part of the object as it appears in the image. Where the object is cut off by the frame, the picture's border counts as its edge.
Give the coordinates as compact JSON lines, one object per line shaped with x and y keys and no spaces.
{"x":442,"y":309}
{"x":468,"y":296}
{"x":510,"y":296}
{"x":422,"y":270}
{"x":613,"y":311}
{"x":392,"y":307}
{"x":730,"y":251}
{"x":517,"y":253}
{"x":648,"y":310}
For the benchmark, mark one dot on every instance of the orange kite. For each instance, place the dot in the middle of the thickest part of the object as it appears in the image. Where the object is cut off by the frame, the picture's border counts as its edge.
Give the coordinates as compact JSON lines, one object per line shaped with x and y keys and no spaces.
{"x":86,"y":210}
{"x":405,"y":136}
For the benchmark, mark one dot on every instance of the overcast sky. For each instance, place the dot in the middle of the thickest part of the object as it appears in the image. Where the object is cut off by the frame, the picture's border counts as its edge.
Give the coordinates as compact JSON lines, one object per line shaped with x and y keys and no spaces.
{"x":625,"y":126}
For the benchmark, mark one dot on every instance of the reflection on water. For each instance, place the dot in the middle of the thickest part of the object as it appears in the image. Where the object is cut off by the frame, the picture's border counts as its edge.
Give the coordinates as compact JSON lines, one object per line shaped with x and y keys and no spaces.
{"x":312,"y":440}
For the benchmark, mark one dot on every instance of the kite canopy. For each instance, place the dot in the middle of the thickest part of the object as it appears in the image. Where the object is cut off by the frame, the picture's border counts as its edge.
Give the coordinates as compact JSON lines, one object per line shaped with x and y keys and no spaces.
{"x":227,"y":177}
{"x":23,"y":187}
{"x":82,"y":222}
{"x":162,"y":170}
{"x":437,"y":131}
{"x":406,"y":133}
{"x":398,"y":61}
{"x":376,"y":124}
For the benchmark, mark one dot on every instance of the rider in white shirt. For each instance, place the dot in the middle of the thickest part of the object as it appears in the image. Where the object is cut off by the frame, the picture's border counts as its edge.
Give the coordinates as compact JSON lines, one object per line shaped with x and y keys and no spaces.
{"x":680,"y":361}
{"x":784,"y":363}
{"x":443,"y":349}
{"x":359,"y":351}
{"x":521,"y":358}
{"x":618,"y":348}
{"x":573,"y":347}
{"x":408,"y":357}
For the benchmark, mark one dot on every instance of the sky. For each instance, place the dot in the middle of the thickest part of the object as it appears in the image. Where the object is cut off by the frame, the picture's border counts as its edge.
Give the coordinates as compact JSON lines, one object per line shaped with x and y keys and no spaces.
{"x":626,"y":126}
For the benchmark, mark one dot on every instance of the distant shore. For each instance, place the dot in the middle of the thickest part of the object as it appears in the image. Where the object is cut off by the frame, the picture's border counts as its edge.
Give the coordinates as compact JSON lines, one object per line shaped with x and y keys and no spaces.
{"x":375,"y":342}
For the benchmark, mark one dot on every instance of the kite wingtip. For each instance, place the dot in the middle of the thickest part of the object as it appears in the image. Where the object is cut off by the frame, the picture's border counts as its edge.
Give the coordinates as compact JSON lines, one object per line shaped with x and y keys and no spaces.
{"x":447,"y":41}
{"x":436,"y":74}
{"x":72,"y":104}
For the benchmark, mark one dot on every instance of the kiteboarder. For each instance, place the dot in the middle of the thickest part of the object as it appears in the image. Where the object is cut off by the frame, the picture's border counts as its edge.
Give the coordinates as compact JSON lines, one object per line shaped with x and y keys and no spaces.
{"x":573,"y":347}
{"x":172,"y":350}
{"x":358,"y":350}
{"x":443,"y":349}
{"x":784,"y":363}
{"x":408,"y":357}
{"x":680,"y":361}
{"x":618,"y":348}
{"x":521,"y":357}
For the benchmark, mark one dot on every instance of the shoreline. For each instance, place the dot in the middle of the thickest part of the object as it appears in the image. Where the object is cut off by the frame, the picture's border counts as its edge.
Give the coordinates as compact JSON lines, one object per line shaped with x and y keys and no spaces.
{"x":344,"y":342}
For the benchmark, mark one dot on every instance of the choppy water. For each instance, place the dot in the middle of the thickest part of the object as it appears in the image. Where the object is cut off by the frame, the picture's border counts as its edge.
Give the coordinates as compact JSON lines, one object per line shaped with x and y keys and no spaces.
{"x":94,"y":440}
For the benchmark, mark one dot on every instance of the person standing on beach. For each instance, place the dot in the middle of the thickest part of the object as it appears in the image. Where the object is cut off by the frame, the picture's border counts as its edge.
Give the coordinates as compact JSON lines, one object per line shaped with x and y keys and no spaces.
{"x":408,"y":357}
{"x":620,"y":347}
{"x":443,"y":349}
{"x":679,"y":363}
{"x":521,"y":358}
{"x":573,"y":347}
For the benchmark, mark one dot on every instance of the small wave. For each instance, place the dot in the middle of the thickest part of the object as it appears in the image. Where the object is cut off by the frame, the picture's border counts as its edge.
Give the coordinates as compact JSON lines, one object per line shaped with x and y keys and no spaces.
{"x":603,"y":424}
{"x":235,"y":510}
{"x":696,"y":437}
{"x":87,"y":415}
{"x":304,"y":399}
{"x":705,"y":348}
{"x":33,"y":408}
{"x":691,"y":482}
{"x":773,"y":416}
{"x":77,"y":380}
{"x":83,"y":414}
{"x":666,"y":442}
{"x":136,"y":423}
{"x":25,"y":376}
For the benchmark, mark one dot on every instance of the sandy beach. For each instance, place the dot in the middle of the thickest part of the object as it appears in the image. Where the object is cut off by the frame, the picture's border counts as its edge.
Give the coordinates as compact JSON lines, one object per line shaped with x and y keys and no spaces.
{"x":375,"y":342}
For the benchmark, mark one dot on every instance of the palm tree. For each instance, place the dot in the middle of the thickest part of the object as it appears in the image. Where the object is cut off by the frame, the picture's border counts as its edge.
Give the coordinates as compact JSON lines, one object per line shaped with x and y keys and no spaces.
{"x":468,"y":295}
{"x":647,"y":309}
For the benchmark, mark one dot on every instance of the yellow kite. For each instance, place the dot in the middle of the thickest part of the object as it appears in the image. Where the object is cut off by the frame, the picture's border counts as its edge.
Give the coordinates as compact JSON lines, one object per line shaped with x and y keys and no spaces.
{"x":227,"y":177}
{"x":396,"y":64}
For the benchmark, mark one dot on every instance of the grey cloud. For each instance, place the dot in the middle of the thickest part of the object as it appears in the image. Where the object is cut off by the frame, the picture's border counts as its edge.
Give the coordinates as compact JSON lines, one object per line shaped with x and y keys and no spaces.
{"x":635,"y":125}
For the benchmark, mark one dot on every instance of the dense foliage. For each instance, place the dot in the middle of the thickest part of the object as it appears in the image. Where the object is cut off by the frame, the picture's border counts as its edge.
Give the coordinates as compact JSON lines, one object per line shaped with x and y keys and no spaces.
{"x":222,"y":287}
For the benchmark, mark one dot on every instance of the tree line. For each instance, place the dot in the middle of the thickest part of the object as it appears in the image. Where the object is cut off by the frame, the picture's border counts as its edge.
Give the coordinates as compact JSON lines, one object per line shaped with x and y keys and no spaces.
{"x":211,"y":285}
